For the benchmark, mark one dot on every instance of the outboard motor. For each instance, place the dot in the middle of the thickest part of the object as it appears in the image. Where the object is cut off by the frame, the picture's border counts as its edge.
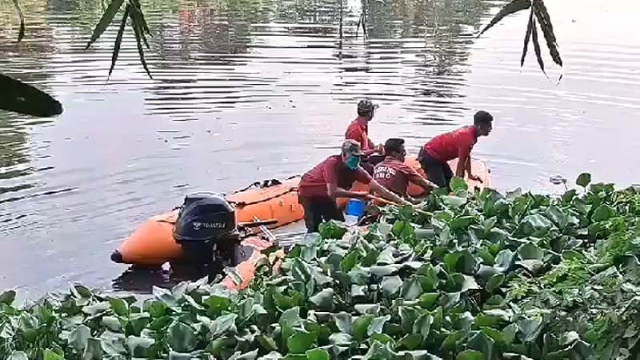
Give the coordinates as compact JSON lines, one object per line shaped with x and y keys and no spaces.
{"x":206,"y":229}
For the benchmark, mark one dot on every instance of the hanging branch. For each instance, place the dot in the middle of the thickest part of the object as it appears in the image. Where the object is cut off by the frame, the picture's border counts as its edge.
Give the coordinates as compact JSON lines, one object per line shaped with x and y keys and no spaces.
{"x":139,"y":25}
{"x":21,"y":16}
{"x":538,"y":16}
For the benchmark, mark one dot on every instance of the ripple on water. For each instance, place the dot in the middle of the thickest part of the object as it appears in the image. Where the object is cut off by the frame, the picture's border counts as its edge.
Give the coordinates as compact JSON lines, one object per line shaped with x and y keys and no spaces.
{"x":251,"y":90}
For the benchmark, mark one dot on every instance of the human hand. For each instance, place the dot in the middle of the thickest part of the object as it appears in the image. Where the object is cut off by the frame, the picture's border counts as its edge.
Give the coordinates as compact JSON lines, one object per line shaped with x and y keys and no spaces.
{"x":379,"y":149}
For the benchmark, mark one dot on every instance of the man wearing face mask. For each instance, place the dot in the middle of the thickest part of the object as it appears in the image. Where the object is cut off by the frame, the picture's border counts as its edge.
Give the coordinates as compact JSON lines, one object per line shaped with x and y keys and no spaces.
{"x":331,"y":179}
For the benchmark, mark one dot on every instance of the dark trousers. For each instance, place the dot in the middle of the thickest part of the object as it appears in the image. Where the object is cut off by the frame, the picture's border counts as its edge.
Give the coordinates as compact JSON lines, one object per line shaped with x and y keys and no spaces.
{"x":438,"y":172}
{"x":370,"y":162}
{"x":317,"y":210}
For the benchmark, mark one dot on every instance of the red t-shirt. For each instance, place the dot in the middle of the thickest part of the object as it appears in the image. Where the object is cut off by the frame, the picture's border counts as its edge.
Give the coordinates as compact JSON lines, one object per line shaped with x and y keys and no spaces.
{"x":454,"y":144}
{"x":358,"y":130}
{"x":395,"y":175}
{"x":330,"y":171}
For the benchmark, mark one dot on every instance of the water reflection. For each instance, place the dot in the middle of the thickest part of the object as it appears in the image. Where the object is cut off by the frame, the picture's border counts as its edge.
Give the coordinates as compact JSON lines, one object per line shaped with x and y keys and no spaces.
{"x":268,"y":87}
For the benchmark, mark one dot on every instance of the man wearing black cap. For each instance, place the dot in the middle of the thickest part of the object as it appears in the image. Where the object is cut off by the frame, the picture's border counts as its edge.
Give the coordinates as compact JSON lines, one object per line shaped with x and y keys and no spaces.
{"x":331,"y":179}
{"x":358,"y":130}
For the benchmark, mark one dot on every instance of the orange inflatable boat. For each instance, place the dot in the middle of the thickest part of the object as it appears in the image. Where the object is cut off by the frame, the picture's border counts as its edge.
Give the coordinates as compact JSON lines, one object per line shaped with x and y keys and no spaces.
{"x":153,"y":243}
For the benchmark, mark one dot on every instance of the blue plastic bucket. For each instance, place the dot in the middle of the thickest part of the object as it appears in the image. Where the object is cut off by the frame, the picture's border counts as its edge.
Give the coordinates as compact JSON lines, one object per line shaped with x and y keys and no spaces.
{"x":355,"y":207}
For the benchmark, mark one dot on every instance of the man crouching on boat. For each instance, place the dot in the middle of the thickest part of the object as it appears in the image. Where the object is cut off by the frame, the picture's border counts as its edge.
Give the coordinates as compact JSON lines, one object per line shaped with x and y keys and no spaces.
{"x":395,"y":175}
{"x":320,"y":186}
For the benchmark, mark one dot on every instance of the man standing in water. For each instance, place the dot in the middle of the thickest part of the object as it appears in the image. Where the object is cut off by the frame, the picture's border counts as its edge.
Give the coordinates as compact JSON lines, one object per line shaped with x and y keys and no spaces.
{"x":358,"y":130}
{"x":331,"y":179}
{"x":438,"y":151}
{"x":394,"y":174}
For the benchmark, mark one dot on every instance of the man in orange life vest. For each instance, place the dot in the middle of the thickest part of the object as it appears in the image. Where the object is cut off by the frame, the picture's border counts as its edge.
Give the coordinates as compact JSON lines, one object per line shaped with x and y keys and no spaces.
{"x":331,"y":179}
{"x":358,"y":130}
{"x":394,"y":174}
{"x":434,"y":155}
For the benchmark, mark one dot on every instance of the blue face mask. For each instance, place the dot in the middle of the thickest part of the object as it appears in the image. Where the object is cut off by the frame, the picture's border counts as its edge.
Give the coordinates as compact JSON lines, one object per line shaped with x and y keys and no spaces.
{"x":353,"y":162}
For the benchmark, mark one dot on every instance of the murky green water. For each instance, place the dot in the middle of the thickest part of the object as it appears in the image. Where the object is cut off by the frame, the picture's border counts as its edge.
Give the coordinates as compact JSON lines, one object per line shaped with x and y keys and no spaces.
{"x":246,"y":90}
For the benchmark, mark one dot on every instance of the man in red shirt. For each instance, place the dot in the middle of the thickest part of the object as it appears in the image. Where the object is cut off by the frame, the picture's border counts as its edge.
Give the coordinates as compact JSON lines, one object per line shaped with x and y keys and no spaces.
{"x":358,"y":130}
{"x":331,"y":179}
{"x":434,"y":155}
{"x":394,"y":174}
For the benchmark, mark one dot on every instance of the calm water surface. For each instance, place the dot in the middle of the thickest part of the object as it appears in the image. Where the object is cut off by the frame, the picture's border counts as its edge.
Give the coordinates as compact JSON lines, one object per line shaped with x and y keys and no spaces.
{"x":245,"y":90}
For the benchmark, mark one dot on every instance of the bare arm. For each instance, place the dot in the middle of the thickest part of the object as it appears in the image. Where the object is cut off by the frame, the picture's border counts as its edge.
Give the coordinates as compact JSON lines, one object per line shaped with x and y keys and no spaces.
{"x":337,"y":192}
{"x":463,"y":156}
{"x":424,"y":183}
{"x":379,"y":189}
{"x":468,"y":168}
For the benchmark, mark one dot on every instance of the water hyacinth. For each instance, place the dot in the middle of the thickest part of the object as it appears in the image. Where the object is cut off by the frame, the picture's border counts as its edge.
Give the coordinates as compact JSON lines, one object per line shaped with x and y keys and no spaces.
{"x":487,"y":276}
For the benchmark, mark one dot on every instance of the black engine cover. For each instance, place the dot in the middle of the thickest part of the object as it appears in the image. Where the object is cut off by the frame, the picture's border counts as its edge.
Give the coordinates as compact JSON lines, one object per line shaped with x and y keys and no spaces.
{"x":204,"y":217}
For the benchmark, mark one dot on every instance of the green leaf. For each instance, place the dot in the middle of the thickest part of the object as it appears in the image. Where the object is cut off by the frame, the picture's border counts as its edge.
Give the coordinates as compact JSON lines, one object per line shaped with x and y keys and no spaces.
{"x":349,"y":261}
{"x":454,"y":201}
{"x":535,"y":225}
{"x":164,"y":296}
{"x":408,"y":317}
{"x":371,"y":309}
{"x":274,"y":355}
{"x":97,"y":308}
{"x":458,"y":184}
{"x":495,"y":282}
{"x":105,"y":21}
{"x":492,"y":318}
{"x":181,"y":337}
{"x":50,"y":355}
{"x":386,"y":257}
{"x":93,"y":351}
{"x":332,"y":230}
{"x":530,"y":251}
{"x":340,"y":339}
{"x":139,"y":346}
{"x":509,"y":333}
{"x":483,"y":344}
{"x":18,"y":355}
{"x":79,"y":337}
{"x":224,"y":324}
{"x":323,"y":300}
{"x":300,"y":342}
{"x":252,"y":355}
{"x":583,"y":180}
{"x":218,"y":303}
{"x":118,"y":42}
{"x":429,"y":300}
{"x":451,"y":340}
{"x":422,"y":325}
{"x":120,"y":307}
{"x":511,"y":8}
{"x":318,"y":354}
{"x":377,"y":325}
{"x":504,"y":260}
{"x":602,"y":213}
{"x":8,"y":297}
{"x":343,"y":322}
{"x":360,"y":326}
{"x":530,"y":328}
{"x":290,"y":317}
{"x":533,"y":266}
{"x":390,"y":285}
{"x":267,"y":343}
{"x":470,"y":355}
{"x":410,"y":342}
{"x":411,"y":289}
